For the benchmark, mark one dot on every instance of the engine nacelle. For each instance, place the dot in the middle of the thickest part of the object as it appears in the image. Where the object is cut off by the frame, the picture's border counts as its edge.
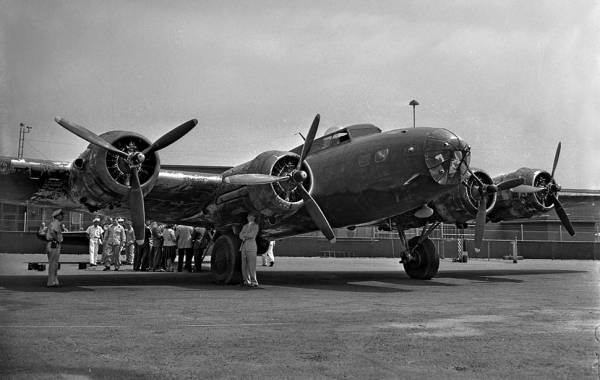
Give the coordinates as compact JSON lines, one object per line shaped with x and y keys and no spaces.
{"x":273,"y":201}
{"x":461,"y":205}
{"x":100,"y":178}
{"x":511,"y":205}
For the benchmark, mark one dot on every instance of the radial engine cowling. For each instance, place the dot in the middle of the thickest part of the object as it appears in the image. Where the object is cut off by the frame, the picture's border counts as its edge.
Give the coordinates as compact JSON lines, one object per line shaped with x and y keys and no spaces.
{"x":512,"y":205}
{"x":101,"y":179}
{"x":271,"y":200}
{"x":461,"y":205}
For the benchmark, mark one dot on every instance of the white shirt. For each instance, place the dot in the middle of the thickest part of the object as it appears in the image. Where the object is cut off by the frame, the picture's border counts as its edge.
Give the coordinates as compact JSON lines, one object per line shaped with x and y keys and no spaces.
{"x":94,"y":232}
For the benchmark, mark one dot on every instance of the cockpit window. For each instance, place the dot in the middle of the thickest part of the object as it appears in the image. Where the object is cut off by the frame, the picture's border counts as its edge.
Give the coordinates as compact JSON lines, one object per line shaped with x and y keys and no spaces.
{"x":335,"y":139}
{"x":445,"y":156}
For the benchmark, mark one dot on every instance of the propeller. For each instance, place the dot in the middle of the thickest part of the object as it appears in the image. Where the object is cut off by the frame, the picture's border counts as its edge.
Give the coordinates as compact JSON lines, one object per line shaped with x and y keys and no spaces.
{"x":254,"y":179}
{"x":526,"y":189}
{"x":134,"y":160}
{"x":297,"y":177}
{"x":485,"y":190}
{"x":551,"y":189}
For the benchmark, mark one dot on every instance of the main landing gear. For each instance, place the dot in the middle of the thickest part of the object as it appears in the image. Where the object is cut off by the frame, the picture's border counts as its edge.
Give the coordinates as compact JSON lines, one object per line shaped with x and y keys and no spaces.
{"x":225,"y":259}
{"x":421,"y":260}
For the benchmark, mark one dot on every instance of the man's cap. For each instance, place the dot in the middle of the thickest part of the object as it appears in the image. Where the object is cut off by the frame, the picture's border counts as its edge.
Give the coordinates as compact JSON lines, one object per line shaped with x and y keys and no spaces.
{"x":97,"y":220}
{"x":120,"y":220}
{"x":57,"y":213}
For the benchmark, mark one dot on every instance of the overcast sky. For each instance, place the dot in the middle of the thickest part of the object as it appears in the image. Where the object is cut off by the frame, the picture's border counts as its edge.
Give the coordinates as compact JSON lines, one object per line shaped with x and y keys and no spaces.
{"x":511,"y":77}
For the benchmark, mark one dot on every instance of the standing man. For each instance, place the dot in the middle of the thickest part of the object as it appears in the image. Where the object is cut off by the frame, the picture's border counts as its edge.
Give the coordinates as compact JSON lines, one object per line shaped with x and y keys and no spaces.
{"x":129,"y":243}
{"x":183,"y":234}
{"x":248,"y":250}
{"x":156,"y":244}
{"x":94,"y":234}
{"x":142,"y":259}
{"x":115,"y":239}
{"x":106,"y":252}
{"x":55,"y":238}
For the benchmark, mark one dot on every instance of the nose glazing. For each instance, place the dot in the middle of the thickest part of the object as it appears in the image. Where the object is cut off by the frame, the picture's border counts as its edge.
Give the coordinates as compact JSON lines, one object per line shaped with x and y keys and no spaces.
{"x":446,"y":156}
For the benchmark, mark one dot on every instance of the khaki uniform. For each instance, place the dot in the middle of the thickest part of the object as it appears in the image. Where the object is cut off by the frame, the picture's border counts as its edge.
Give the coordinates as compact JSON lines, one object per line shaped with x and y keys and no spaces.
{"x":248,"y":250}
{"x":115,"y":239}
{"x":54,"y":237}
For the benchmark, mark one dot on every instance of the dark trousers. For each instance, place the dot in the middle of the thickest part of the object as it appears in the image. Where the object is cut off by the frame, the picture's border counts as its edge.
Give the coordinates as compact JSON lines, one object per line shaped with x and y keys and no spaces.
{"x":187,"y":252}
{"x":140,"y":259}
{"x":157,"y":258}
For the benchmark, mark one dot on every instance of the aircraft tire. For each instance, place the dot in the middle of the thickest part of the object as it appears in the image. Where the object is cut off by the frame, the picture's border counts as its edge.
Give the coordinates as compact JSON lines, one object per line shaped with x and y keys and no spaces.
{"x":225,"y":260}
{"x":427,"y":262}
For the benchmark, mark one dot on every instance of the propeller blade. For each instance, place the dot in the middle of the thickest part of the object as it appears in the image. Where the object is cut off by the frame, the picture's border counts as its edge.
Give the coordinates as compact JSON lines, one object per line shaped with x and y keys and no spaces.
{"x":480,"y":223}
{"x":556,"y":155}
{"x":136,"y":206}
{"x":253,"y":179}
{"x":509,"y":184}
{"x":312,"y":132}
{"x":562,"y":215}
{"x":526,"y":189}
{"x":88,"y":135}
{"x":316,"y":214}
{"x":170,"y":137}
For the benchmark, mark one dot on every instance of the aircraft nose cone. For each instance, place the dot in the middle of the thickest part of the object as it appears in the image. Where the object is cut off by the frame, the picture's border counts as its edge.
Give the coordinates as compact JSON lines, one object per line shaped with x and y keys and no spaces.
{"x":446,"y":156}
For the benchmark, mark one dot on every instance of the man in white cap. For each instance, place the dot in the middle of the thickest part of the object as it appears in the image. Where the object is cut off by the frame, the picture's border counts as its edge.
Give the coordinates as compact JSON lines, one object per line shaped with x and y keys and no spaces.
{"x":94,"y":234}
{"x":55,"y":238}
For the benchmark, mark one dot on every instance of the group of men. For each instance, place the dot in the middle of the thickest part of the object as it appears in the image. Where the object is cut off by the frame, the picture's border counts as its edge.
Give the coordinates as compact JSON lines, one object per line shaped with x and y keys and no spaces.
{"x":161,"y":245}
{"x":115,"y":237}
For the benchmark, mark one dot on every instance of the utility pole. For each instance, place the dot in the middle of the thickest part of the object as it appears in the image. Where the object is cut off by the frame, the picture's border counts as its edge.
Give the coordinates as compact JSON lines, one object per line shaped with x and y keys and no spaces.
{"x":23,"y":128}
{"x":413,"y":103}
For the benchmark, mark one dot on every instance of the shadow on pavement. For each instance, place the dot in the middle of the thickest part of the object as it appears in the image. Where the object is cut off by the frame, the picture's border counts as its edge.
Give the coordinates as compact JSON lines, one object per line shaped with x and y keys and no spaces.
{"x":498,"y":275}
{"x":349,"y":281}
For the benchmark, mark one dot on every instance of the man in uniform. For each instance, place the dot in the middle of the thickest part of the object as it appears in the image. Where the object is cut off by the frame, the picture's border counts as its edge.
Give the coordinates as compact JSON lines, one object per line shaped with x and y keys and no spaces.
{"x":115,"y":238}
{"x":106,"y":252}
{"x":129,"y":243}
{"x":94,"y":234}
{"x":55,"y":238}
{"x":248,"y":250}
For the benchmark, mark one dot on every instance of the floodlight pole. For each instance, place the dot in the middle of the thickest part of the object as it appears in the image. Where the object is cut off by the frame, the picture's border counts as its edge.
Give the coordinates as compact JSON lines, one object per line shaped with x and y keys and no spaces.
{"x":23,"y":128}
{"x":413,"y":103}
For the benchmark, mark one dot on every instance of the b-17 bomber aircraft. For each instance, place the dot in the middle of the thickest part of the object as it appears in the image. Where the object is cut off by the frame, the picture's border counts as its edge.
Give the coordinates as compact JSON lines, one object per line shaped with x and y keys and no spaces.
{"x":357,"y":175}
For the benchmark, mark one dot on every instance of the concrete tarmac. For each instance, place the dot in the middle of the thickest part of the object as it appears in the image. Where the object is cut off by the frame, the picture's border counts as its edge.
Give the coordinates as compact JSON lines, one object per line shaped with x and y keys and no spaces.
{"x":311,"y":318}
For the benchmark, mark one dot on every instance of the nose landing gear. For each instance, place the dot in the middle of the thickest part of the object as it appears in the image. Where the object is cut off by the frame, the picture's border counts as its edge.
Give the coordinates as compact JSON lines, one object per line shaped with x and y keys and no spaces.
{"x":421,"y":260}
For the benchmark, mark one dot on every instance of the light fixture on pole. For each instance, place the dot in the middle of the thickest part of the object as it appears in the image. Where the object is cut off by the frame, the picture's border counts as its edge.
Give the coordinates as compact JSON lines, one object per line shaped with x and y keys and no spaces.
{"x":23,"y":128}
{"x":413,"y":103}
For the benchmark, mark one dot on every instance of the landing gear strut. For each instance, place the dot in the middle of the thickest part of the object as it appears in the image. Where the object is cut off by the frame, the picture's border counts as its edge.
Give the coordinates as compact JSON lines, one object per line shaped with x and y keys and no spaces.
{"x":421,"y":260}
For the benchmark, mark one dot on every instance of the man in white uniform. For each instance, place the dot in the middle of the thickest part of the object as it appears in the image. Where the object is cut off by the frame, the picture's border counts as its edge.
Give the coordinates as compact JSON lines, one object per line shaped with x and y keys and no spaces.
{"x":94,"y":234}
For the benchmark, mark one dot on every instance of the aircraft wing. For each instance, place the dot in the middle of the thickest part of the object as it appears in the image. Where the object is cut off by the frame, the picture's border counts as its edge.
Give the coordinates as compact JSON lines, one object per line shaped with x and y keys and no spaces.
{"x":42,"y":182}
{"x":179,"y":193}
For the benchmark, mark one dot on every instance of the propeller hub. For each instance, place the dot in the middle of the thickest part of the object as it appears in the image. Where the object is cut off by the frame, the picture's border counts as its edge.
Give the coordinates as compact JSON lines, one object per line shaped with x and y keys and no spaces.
{"x":299,"y":176}
{"x":491,"y":189}
{"x":137,"y":158}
